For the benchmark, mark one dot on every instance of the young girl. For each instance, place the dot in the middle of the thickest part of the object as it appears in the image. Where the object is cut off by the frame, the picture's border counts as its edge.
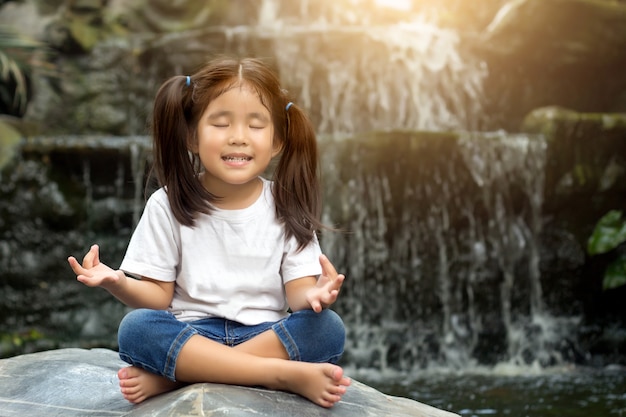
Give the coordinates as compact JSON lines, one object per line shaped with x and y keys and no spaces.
{"x":221,"y":254}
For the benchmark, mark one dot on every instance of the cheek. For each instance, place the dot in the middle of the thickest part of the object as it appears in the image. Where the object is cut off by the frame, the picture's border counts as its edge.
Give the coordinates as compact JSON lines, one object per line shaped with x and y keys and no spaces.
{"x":208,"y":138}
{"x":209,"y":148}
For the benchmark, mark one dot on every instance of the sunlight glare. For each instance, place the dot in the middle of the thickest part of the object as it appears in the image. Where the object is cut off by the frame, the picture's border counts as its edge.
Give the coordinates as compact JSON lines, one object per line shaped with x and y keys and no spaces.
{"x":394,"y":4}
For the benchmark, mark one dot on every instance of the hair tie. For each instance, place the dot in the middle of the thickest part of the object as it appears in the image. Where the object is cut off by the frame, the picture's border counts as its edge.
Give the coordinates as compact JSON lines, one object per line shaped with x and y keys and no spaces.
{"x":188,"y":81}
{"x":288,"y":105}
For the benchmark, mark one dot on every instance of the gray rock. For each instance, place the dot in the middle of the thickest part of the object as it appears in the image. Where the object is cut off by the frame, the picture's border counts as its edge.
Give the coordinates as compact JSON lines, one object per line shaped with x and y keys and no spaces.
{"x":79,"y":382}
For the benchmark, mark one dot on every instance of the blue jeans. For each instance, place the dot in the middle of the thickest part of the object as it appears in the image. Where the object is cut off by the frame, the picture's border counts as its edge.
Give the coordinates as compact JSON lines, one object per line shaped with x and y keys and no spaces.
{"x":152,"y":339}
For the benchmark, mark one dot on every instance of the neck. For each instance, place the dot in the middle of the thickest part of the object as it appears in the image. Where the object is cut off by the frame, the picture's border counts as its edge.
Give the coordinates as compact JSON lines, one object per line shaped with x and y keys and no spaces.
{"x":236,"y":197}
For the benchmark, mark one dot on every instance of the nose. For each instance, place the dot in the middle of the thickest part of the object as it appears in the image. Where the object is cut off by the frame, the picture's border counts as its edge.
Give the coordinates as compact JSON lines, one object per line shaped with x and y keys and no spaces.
{"x":238,"y":135}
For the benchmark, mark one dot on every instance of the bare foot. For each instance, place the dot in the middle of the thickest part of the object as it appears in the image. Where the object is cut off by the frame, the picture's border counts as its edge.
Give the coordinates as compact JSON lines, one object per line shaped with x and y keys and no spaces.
{"x":321,"y":383}
{"x":137,"y":384}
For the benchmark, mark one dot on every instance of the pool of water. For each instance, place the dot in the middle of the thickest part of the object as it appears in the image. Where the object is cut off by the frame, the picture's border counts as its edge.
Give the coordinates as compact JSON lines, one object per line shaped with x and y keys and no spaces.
{"x":573,"y":392}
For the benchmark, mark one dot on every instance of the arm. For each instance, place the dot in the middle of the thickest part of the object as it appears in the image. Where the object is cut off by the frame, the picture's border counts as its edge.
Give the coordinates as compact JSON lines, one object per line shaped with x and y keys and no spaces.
{"x":311,"y":293}
{"x":144,"y":293}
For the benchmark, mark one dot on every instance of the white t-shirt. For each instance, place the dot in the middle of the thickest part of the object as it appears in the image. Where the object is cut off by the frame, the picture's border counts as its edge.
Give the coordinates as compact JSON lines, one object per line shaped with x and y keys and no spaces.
{"x":231,"y":264}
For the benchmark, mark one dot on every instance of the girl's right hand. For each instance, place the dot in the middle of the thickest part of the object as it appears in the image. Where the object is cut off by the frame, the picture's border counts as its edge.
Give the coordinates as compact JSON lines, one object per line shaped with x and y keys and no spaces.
{"x":94,"y":273}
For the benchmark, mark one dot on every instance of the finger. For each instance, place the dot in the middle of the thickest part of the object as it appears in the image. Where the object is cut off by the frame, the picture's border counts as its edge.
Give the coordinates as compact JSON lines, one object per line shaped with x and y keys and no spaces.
{"x":97,"y":280}
{"x":334,"y":285}
{"x":91,"y":258}
{"x":84,"y":279}
{"x":96,"y":258}
{"x":316,"y":306}
{"x":88,"y":259}
{"x":338,"y":282}
{"x":76,"y":267}
{"x":328,"y":268}
{"x":331,"y":297}
{"x":328,"y":299}
{"x":90,"y":281}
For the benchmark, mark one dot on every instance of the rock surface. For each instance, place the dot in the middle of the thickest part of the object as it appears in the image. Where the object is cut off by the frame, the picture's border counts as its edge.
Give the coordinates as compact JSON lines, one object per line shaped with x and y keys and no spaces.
{"x":79,"y":382}
{"x":567,"y":53}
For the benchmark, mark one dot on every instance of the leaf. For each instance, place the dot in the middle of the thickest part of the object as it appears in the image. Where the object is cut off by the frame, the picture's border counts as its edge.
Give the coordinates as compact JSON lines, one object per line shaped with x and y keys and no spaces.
{"x":609,"y":233}
{"x":9,"y":141}
{"x":615,"y":275}
{"x":84,"y":34}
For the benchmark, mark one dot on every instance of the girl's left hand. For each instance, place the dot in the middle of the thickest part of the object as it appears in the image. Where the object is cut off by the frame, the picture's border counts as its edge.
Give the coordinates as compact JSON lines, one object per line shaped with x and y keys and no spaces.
{"x":327,"y":289}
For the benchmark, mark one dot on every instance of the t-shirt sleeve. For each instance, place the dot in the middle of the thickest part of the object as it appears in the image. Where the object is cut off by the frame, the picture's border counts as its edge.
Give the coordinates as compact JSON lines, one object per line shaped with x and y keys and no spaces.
{"x":153,"y":250}
{"x":299,"y":264}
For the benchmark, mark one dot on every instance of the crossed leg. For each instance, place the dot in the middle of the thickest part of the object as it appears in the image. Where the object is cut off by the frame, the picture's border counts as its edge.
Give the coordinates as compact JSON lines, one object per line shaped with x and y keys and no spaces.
{"x":261,"y":360}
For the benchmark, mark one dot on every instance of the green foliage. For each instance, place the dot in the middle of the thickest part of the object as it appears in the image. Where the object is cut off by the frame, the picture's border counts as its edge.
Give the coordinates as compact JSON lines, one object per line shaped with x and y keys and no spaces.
{"x":607,"y":236}
{"x":615,"y":274}
{"x":12,"y":343}
{"x":609,"y":233}
{"x":9,"y":140}
{"x":84,"y":34}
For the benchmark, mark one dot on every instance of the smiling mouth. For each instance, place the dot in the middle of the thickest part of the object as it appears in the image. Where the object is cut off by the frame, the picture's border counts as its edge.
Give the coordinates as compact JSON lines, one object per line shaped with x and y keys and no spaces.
{"x":236,"y":158}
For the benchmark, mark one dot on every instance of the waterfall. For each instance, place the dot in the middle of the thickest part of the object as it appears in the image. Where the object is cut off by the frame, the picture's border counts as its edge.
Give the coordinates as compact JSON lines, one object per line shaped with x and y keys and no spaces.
{"x":353,"y":73}
{"x":515,"y":161}
{"x":441,"y":252}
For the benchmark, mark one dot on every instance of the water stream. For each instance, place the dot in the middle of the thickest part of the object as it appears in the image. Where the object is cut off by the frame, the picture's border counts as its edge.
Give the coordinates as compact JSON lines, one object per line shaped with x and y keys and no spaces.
{"x":520,"y":393}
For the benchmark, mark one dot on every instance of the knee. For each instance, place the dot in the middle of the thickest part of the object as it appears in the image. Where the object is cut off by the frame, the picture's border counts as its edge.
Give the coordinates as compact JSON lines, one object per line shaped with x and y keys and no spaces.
{"x":333,"y":325}
{"x":133,"y":325}
{"x":332,"y":330}
{"x":320,"y":337}
{"x":330,"y":322}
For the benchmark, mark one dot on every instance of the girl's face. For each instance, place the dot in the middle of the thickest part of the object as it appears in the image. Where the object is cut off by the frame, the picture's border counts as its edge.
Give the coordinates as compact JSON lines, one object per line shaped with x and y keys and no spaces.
{"x":234,"y":140}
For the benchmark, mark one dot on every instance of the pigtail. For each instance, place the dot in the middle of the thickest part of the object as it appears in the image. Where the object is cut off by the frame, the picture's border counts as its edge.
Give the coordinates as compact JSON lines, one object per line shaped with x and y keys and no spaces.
{"x":297,"y":187}
{"x":174,"y":167}
{"x":178,"y":107}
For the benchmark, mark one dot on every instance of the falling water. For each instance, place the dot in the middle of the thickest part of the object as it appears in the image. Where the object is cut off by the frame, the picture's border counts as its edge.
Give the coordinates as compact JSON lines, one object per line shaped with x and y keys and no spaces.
{"x":498,"y":166}
{"x":354,"y":74}
{"x":443,"y":256}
